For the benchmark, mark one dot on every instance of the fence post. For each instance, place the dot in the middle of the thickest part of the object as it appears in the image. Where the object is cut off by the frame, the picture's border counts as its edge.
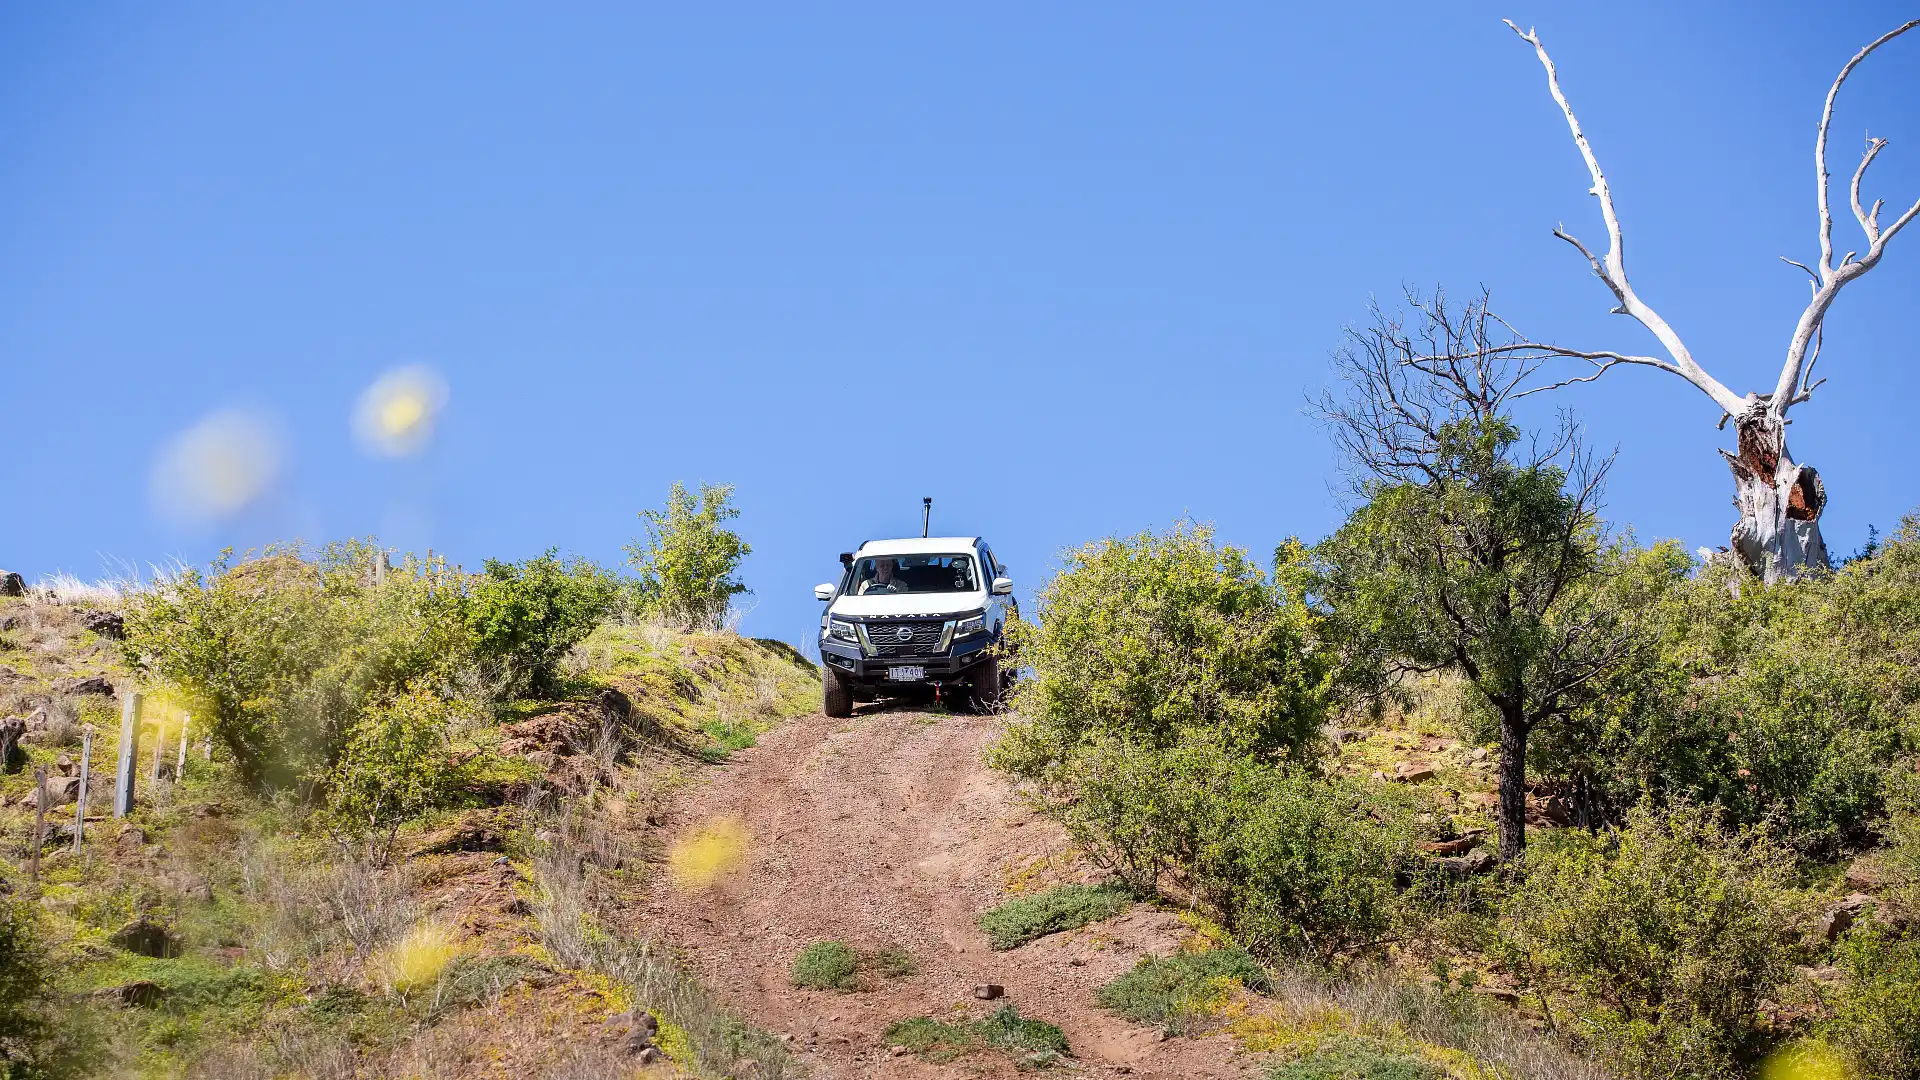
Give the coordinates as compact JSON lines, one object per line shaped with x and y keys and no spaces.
{"x":180,"y":767}
{"x":39,"y":821}
{"x":80,"y":810}
{"x":129,"y":743}
{"x":159,"y":744}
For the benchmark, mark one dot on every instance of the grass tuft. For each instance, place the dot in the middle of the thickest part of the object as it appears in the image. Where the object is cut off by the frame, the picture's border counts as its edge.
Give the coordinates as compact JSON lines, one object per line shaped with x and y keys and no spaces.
{"x":416,"y":961}
{"x":1033,"y":1043}
{"x":835,"y":965}
{"x":827,"y":965}
{"x":1067,"y":907}
{"x":1176,"y":990}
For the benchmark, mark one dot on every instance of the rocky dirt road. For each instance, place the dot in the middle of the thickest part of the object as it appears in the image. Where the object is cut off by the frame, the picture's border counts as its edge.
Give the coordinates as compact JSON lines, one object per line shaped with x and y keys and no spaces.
{"x":888,"y":830}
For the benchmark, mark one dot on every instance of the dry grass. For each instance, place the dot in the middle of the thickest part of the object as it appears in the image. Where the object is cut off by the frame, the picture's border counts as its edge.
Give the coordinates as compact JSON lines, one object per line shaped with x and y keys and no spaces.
{"x":1455,"y":1030}
{"x":417,"y":960}
{"x":567,"y":910}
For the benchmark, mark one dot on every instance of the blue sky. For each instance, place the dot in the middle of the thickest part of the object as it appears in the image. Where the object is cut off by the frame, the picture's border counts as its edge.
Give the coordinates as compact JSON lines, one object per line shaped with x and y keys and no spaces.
{"x":1070,"y":269}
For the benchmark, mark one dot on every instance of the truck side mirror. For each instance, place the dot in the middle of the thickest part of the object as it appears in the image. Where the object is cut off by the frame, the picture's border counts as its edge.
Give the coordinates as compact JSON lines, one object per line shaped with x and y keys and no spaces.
{"x":1002,"y":586}
{"x":823,"y":592}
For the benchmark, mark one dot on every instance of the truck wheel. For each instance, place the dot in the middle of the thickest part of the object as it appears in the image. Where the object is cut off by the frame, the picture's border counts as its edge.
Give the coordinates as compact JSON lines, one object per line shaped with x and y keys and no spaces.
{"x":836,"y":693}
{"x":983,"y":690}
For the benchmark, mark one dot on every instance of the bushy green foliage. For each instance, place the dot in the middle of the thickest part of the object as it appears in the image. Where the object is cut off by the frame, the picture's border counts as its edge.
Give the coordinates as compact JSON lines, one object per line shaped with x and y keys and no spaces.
{"x":827,"y":965}
{"x":1290,"y":861}
{"x":280,"y":654}
{"x":1157,"y":637}
{"x":1174,"y":990}
{"x":687,"y":563}
{"x":31,"y":1046}
{"x":1876,"y":1008}
{"x":1064,"y":907}
{"x":525,"y":616}
{"x":1355,"y":1057}
{"x":1787,"y":702}
{"x":1669,"y":930}
{"x":394,"y":767}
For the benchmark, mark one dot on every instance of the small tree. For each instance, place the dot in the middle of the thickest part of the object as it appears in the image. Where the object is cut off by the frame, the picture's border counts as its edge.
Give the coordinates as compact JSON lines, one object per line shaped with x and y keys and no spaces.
{"x":1158,"y":637}
{"x":1476,"y":550}
{"x":687,"y":562}
{"x":524,"y":616}
{"x":394,"y":767}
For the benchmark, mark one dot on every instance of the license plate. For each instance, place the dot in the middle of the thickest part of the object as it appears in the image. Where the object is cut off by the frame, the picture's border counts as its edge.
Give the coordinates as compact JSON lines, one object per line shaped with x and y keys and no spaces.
{"x":906,"y":673}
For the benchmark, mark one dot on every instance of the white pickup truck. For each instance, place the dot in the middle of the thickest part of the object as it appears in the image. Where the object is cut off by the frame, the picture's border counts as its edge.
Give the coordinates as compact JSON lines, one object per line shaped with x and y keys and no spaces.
{"x":907,"y":615}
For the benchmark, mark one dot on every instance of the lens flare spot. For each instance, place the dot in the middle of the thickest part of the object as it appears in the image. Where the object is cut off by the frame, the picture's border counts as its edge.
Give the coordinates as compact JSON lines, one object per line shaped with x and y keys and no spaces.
{"x":1806,"y":1059}
{"x":698,"y":860}
{"x":216,"y":468}
{"x":395,"y":416}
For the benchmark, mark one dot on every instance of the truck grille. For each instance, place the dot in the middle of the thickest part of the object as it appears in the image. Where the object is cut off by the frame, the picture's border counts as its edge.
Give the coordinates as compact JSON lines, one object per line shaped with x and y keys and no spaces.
{"x":919,"y":638}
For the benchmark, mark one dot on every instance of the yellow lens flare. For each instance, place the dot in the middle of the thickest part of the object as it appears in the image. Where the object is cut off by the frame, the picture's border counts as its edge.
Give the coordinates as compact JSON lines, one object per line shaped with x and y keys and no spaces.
{"x":1806,"y":1059}
{"x":699,"y":859}
{"x":216,"y":468}
{"x":395,"y":416}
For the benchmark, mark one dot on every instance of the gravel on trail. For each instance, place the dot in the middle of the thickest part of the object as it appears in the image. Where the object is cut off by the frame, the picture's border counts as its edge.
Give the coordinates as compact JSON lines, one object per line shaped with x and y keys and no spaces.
{"x":889,"y":830}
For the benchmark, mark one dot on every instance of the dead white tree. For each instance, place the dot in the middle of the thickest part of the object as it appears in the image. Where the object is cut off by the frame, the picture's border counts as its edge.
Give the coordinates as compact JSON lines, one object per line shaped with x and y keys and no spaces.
{"x":1778,"y":534}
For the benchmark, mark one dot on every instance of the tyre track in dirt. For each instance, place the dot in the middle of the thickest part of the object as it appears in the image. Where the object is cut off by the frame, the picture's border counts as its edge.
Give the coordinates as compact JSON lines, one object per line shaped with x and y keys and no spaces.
{"x":887,"y":829}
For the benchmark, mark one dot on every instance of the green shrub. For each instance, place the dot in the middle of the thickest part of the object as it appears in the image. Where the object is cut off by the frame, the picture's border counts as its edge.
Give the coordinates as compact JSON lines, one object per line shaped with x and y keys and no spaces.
{"x":1157,"y":637}
{"x":687,"y":563}
{"x":1174,"y":990}
{"x":1355,"y":1057}
{"x":1876,"y":1009}
{"x":395,"y":766}
{"x":1065,"y":907}
{"x":1290,"y":861}
{"x":31,"y":1045}
{"x":1785,"y":703}
{"x":827,"y":965}
{"x":1669,"y":931}
{"x":281,"y":653}
{"x":525,"y":616}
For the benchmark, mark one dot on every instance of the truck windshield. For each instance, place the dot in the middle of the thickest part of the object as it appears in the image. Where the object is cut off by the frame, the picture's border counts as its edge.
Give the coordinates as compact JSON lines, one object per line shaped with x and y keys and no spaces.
{"x":879,"y":575}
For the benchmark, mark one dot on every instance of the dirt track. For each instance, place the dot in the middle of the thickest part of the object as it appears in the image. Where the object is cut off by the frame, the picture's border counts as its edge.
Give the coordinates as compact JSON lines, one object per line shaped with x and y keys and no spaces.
{"x":888,"y":830}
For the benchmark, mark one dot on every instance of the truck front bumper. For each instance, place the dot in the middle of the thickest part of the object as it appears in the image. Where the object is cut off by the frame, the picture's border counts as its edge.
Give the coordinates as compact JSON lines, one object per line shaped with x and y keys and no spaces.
{"x":956,"y":665}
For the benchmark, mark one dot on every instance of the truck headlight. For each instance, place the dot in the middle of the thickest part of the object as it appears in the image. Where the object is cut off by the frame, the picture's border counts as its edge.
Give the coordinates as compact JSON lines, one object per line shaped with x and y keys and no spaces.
{"x":973,"y":624}
{"x":841,"y":630}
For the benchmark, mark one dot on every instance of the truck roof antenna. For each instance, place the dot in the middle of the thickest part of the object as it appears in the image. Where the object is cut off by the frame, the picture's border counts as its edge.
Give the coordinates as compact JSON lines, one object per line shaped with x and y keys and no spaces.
{"x":926,"y":515}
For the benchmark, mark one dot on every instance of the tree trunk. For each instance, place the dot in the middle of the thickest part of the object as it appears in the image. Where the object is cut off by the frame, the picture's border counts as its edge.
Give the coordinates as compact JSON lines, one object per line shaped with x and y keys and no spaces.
{"x":1778,"y":534}
{"x":1512,"y":811}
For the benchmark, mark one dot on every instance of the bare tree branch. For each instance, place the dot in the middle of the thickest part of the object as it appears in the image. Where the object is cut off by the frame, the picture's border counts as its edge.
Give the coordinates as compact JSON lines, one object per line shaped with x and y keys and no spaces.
{"x":1612,"y":270}
{"x":1834,"y":278}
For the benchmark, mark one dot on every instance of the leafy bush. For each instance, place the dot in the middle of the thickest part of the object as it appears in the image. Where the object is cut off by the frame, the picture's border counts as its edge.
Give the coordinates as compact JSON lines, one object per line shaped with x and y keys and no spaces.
{"x":827,"y":965}
{"x":1154,"y":638}
{"x":281,"y":653}
{"x":687,"y":563}
{"x":1176,"y":989}
{"x":394,"y":767}
{"x":1290,"y":861}
{"x":1785,"y":702}
{"x":1670,"y":930}
{"x":1356,"y":1057}
{"x":1066,"y":907}
{"x":525,"y":616}
{"x":31,"y":1046}
{"x":1876,"y":1020}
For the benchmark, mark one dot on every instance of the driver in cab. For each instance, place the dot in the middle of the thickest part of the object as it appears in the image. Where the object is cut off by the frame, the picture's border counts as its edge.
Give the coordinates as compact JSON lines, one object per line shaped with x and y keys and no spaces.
{"x":883,"y":580}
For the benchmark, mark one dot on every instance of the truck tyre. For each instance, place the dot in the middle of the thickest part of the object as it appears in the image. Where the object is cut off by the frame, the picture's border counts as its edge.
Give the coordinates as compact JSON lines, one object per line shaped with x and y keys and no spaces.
{"x":983,"y":690}
{"x":836,"y":693}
